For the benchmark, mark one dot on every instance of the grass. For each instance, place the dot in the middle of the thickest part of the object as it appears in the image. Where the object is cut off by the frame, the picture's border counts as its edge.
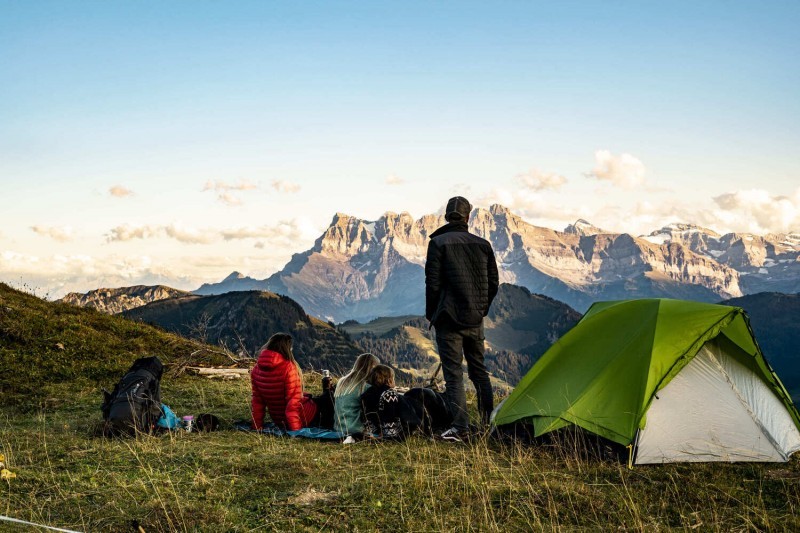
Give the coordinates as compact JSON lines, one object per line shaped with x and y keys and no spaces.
{"x":233,"y":481}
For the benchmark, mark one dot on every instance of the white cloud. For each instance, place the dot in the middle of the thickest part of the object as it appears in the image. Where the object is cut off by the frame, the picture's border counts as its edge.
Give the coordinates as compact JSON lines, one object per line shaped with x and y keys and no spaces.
{"x":283,"y":229}
{"x":537,"y":180}
{"x":120,"y":191}
{"x":60,"y":234}
{"x":286,"y":232}
{"x":534,"y":206}
{"x":59,"y":274}
{"x":394,"y":179}
{"x":623,"y":170}
{"x":225,"y":190}
{"x":242,"y":185}
{"x":188,"y":235}
{"x":127,"y":232}
{"x":759,"y":211}
{"x":285,"y":186}
{"x":746,"y":211}
{"x":229,"y":199}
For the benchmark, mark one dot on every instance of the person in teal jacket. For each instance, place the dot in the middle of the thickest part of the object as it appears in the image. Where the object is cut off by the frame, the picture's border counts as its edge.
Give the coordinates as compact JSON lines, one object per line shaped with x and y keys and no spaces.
{"x":347,"y":405}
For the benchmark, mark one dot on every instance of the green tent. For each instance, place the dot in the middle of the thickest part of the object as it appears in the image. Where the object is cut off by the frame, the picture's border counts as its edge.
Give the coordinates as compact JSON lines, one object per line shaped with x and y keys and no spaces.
{"x":676,"y":380}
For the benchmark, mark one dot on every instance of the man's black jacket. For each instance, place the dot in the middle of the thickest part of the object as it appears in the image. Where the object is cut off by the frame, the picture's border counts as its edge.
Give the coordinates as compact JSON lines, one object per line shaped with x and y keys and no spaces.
{"x":461,"y":277}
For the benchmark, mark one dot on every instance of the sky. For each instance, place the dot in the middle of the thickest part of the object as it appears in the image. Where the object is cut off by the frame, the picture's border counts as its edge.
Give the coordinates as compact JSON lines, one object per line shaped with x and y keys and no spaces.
{"x":175,"y":142}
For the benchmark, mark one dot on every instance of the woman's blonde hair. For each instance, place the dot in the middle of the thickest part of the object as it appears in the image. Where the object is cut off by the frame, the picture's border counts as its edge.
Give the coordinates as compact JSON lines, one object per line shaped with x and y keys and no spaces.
{"x":356,"y":379}
{"x":282,"y":344}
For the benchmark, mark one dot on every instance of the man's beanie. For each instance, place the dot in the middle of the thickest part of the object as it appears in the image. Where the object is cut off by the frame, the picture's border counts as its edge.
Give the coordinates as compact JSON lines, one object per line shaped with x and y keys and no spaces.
{"x":457,"y":205}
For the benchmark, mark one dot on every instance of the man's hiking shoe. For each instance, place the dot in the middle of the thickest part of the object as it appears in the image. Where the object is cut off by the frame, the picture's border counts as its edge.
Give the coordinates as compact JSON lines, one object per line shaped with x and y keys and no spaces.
{"x":454,"y":435}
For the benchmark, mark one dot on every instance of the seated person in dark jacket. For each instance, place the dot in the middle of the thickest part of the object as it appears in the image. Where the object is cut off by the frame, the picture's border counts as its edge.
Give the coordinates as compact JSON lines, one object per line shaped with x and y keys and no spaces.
{"x":386,"y":413}
{"x":432,"y":409}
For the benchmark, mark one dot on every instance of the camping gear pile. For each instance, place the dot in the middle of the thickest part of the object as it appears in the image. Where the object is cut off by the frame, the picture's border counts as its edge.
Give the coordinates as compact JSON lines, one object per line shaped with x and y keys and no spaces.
{"x":134,"y":406}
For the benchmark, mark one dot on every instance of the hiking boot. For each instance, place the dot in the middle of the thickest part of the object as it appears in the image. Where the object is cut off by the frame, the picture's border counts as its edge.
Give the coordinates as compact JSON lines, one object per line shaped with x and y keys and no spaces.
{"x":454,"y":435}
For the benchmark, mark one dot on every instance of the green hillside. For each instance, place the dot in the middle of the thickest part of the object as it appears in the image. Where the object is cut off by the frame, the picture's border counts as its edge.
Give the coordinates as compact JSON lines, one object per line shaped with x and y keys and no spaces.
{"x":243,"y":321}
{"x":48,"y":349}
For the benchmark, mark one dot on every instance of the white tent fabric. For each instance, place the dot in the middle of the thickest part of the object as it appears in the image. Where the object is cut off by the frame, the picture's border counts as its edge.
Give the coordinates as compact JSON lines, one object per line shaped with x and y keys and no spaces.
{"x":716,"y":409}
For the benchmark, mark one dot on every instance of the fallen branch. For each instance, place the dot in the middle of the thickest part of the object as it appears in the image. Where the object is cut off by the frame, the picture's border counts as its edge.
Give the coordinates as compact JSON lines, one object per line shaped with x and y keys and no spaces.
{"x":219,"y":373}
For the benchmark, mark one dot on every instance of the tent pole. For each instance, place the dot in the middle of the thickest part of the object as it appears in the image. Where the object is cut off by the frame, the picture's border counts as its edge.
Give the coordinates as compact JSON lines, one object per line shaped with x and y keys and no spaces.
{"x":631,"y":447}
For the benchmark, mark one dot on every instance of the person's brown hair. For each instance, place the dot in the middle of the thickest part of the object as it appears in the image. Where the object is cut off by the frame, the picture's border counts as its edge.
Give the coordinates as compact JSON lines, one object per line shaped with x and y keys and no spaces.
{"x":381,"y":375}
{"x":282,"y":344}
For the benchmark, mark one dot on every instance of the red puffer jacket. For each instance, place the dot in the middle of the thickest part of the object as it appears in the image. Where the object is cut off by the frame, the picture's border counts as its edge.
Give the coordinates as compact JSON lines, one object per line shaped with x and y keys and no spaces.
{"x":277,"y":386}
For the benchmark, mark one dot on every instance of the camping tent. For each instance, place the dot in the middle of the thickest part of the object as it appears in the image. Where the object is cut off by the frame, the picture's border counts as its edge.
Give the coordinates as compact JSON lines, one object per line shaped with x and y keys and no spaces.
{"x":676,"y":380}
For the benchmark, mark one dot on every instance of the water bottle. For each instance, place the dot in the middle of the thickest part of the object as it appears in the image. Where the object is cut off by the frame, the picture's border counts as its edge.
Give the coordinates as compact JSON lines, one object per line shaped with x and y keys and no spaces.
{"x":326,"y":380}
{"x":188,"y":422}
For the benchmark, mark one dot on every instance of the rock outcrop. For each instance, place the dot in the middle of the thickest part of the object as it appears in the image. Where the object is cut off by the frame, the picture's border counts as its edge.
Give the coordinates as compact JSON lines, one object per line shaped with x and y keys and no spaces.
{"x":114,"y":301}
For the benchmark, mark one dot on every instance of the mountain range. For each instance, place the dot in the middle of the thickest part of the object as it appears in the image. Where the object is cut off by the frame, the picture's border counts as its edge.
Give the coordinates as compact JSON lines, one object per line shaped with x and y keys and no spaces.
{"x":360,"y":269}
{"x":243,"y":321}
{"x":520,"y":327}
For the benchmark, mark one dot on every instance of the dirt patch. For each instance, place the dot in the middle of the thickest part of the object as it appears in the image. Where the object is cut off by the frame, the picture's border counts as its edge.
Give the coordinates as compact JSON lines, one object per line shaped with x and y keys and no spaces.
{"x":311,"y":497}
{"x":782,"y":474}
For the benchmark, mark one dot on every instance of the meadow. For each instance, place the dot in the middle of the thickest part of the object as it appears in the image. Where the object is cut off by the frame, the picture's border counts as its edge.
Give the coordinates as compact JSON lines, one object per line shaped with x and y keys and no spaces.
{"x":236,"y":481}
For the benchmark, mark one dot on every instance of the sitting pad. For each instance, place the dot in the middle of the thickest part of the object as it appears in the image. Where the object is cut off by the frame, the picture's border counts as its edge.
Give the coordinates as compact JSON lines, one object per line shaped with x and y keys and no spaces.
{"x":305,"y":433}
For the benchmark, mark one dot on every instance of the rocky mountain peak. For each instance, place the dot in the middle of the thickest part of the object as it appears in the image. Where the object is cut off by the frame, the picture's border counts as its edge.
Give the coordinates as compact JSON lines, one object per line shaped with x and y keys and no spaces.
{"x":113,"y":301}
{"x":360,"y":269}
{"x":497,"y":209}
{"x":583,"y":228}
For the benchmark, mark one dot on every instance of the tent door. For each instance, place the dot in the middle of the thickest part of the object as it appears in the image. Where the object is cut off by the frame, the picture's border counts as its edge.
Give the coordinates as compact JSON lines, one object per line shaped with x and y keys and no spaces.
{"x":716,"y":409}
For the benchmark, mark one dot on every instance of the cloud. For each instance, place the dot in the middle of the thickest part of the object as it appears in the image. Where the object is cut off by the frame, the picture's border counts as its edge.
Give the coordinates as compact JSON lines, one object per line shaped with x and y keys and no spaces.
{"x":120,"y":191}
{"x":224,"y":190}
{"x":126,"y":232}
{"x":189,"y":235}
{"x":537,"y":180}
{"x":243,"y":185}
{"x":229,"y":199}
{"x":60,"y":234}
{"x":284,"y":233}
{"x":394,"y":179}
{"x":623,"y":170}
{"x":744,"y":211}
{"x":759,"y":211}
{"x":535,"y":206}
{"x":288,"y":230}
{"x":57,"y":275}
{"x":285,"y":186}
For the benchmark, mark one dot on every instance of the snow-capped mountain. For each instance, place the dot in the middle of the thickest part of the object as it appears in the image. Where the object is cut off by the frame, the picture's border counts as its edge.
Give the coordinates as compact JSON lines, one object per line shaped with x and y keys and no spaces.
{"x":362,"y":269}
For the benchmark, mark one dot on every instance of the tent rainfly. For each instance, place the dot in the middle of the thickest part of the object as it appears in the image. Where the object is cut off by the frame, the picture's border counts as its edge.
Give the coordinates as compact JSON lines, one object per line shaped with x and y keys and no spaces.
{"x":674,"y":380}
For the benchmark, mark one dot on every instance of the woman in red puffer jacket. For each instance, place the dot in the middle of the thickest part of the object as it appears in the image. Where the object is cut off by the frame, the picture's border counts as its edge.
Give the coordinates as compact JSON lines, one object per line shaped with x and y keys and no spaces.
{"x":278,"y":385}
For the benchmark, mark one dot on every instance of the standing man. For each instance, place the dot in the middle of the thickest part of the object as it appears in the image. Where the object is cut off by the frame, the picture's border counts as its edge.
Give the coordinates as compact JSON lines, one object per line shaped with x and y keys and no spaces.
{"x":461,"y":281}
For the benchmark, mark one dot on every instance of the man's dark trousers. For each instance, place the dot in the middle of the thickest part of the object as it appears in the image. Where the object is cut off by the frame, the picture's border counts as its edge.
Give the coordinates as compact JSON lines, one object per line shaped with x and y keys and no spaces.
{"x":452,"y":340}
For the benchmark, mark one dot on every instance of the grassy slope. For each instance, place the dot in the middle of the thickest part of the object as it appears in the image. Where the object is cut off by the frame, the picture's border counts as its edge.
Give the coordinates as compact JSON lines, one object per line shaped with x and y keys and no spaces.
{"x":379,"y":326}
{"x":49,"y":350}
